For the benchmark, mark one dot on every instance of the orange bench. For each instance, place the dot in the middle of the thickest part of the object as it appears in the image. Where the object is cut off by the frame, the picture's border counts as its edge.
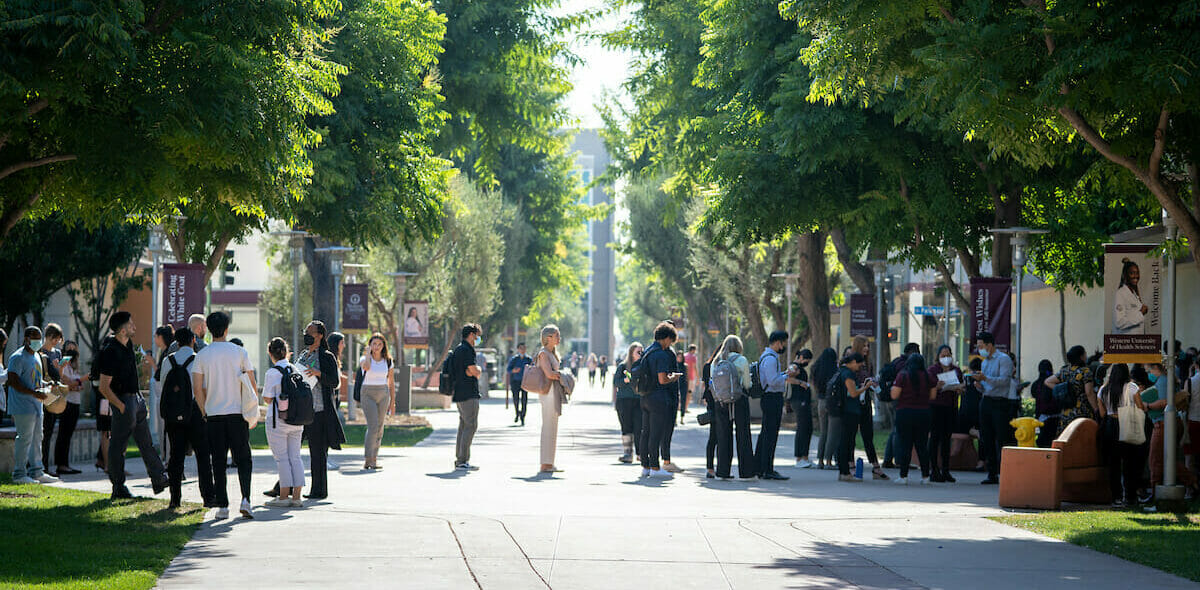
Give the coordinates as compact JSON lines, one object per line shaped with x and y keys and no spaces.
{"x":1084,"y":473}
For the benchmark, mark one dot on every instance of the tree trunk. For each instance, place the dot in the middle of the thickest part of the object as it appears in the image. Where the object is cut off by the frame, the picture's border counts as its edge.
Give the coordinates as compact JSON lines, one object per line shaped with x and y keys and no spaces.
{"x":317,"y":264}
{"x":1062,"y":323}
{"x":861,"y":274}
{"x":1007,"y":213}
{"x":812,"y":286}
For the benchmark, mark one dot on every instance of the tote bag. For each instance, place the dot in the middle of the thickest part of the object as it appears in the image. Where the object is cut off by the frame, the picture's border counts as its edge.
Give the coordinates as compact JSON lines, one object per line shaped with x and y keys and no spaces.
{"x":249,"y":401}
{"x":535,"y":380}
{"x":1132,"y":422}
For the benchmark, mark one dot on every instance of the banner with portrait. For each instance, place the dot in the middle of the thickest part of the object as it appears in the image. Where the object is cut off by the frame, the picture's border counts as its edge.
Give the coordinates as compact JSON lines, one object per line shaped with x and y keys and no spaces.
{"x":415,"y":326}
{"x":991,"y":303}
{"x":1132,"y":304}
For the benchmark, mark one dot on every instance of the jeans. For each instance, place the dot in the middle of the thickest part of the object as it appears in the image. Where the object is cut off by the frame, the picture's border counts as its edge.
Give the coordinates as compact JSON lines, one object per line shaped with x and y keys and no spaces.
{"x":375,"y":401}
{"x":132,"y":422}
{"x":845,"y":452}
{"x":994,"y":431}
{"x":66,"y":428}
{"x":629,"y":414}
{"x":179,"y":437}
{"x":226,"y":434}
{"x":803,"y":410}
{"x":27,"y":448}
{"x":665,"y":451}
{"x":912,"y":430}
{"x":520,"y":401}
{"x":468,"y":423}
{"x":285,"y":448}
{"x":658,"y":414}
{"x":941,"y":430}
{"x":734,"y":419}
{"x":768,"y":435}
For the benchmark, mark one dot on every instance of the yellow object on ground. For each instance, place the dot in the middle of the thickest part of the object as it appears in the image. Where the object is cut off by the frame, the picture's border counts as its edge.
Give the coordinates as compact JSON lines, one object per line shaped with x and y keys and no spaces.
{"x":1026,"y":430}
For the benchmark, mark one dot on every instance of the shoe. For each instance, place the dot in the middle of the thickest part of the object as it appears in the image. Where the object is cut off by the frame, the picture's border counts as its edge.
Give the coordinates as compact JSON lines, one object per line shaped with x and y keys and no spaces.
{"x":245,"y":509}
{"x":466,"y":467}
{"x":991,"y":481}
{"x":516,"y":419}
{"x":297,"y":503}
{"x":645,"y":472}
{"x":878,"y":473}
{"x":46,"y":478}
{"x":937,"y":477}
{"x":673,"y":468}
{"x":946,"y":477}
{"x":710,"y":475}
{"x":804,"y":463}
{"x":121,"y":494}
{"x":849,"y":477}
{"x":889,"y":465}
{"x":222,"y":513}
{"x":68,"y":471}
{"x":626,"y":458}
{"x":748,"y":478}
{"x":330,"y":466}
{"x":273,"y":492}
{"x":924,"y":481}
{"x":1145,"y":497}
{"x":1118,"y":504}
{"x":661,"y":474}
{"x":552,"y":469}
{"x":25,"y":480}
{"x":279,"y":503}
{"x":315,"y":497}
{"x":901,"y":481}
{"x":173,"y":504}
{"x":159,"y":486}
{"x":776,"y":476}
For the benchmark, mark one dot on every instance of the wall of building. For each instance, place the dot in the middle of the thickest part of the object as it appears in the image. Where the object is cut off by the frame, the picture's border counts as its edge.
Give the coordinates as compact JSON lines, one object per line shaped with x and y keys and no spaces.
{"x":602,"y":291}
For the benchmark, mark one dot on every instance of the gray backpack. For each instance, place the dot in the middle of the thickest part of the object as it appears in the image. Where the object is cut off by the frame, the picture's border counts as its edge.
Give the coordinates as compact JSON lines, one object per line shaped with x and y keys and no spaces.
{"x":725,"y":382}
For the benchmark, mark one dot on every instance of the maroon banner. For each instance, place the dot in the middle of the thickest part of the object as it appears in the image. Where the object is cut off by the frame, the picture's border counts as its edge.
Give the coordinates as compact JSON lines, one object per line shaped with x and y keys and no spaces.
{"x":991,"y":299}
{"x":354,"y":306}
{"x":862,"y":315}
{"x":183,"y":292}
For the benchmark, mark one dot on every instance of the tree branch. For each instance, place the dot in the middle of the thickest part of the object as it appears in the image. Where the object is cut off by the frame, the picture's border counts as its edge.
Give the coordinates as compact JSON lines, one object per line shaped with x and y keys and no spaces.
{"x":33,"y":109}
{"x":1093,"y":137}
{"x":15,"y":213}
{"x":859,"y":273}
{"x":1160,"y":143}
{"x":953,"y":287}
{"x":217,"y":254}
{"x":969,"y":261}
{"x":19,"y":166}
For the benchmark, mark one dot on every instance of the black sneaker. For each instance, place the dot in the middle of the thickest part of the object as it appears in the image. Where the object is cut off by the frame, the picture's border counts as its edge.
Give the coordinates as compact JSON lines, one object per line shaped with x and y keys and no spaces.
{"x":272,"y":493}
{"x":937,"y":478}
{"x":991,"y":481}
{"x":121,"y":494}
{"x":946,"y":477}
{"x":159,"y":486}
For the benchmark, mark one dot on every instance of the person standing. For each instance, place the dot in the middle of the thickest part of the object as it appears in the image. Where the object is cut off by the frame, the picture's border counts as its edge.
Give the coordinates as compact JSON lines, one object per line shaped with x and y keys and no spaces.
{"x":800,"y":398}
{"x":52,"y":336}
{"x":824,"y":369}
{"x":593,"y":364}
{"x":378,"y":396}
{"x":774,"y":382}
{"x":658,"y":411}
{"x":546,"y":360}
{"x":69,"y":376}
{"x":283,"y":438}
{"x":603,"y":371}
{"x":516,"y":373}
{"x":885,"y":403}
{"x":866,"y":419}
{"x":466,"y":394}
{"x":843,"y":398}
{"x":190,"y":432}
{"x":692,"y":362}
{"x":25,"y":394}
{"x":913,"y":390}
{"x":1044,"y":409}
{"x":1151,"y":377}
{"x":217,"y":387}
{"x":995,"y":381}
{"x":1125,"y":461}
{"x":325,"y":431}
{"x":117,"y":367}
{"x":676,"y":397}
{"x":195,"y":323}
{"x":628,"y":404}
{"x":1080,"y":380}
{"x":943,"y":413}
{"x":733,"y":420}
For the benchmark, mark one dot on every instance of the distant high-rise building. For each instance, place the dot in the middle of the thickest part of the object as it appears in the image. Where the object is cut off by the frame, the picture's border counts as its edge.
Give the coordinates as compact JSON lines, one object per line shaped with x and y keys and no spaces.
{"x":592,"y":160}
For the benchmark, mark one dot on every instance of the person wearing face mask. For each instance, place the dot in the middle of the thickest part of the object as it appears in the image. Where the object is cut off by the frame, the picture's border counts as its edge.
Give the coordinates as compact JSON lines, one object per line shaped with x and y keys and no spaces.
{"x":1155,"y":404}
{"x":948,"y":382}
{"x":774,"y":381}
{"x":466,"y":394}
{"x":628,"y":404}
{"x":25,"y":394}
{"x":995,"y":380}
{"x":54,"y":359}
{"x":801,"y":403}
{"x":67,"y":420}
{"x":325,"y":431}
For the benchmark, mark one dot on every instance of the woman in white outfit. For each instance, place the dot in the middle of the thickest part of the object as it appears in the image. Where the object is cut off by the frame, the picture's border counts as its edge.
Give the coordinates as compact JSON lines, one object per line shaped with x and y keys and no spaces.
{"x":1129,"y":313}
{"x":283,"y":438}
{"x":378,"y":396}
{"x":546,"y":360}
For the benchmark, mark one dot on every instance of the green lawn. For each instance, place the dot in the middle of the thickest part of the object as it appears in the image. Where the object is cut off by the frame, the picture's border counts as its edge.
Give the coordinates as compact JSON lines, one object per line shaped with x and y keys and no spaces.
{"x":393,"y":436}
{"x":59,"y":538}
{"x":1165,"y":541}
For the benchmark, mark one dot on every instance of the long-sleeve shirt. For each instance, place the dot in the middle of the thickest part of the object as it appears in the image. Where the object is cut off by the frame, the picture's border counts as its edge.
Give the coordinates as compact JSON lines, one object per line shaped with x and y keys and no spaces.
{"x":998,"y":374}
{"x":773,"y":379}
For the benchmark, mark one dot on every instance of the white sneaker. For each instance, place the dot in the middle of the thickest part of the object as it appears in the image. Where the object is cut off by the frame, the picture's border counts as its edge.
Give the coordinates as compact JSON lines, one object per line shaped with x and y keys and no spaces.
{"x":645,"y":472}
{"x":804,"y":463}
{"x":660,"y":474}
{"x":222,"y":514}
{"x":901,"y":481}
{"x":297,"y":503}
{"x":46,"y":478}
{"x":278,"y":503}
{"x":245,"y":509}
{"x":924,"y":481}
{"x":673,"y":468}
{"x":330,"y":466}
{"x":24,"y":480}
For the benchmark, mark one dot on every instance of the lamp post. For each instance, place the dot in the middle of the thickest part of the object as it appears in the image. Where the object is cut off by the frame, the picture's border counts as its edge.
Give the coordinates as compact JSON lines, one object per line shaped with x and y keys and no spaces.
{"x":789,"y":290}
{"x":880,"y":267}
{"x":1168,"y":490}
{"x":296,"y":243}
{"x":1020,"y":239}
{"x":404,"y":372}
{"x":337,"y":261}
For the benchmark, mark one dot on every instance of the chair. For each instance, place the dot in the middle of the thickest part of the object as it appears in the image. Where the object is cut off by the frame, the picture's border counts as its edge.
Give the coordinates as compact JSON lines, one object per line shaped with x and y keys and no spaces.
{"x":1084,"y":474}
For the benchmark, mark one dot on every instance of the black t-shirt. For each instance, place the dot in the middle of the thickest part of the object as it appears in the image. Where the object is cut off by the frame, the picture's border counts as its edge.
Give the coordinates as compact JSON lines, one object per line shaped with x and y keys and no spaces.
{"x":117,"y":361}
{"x":662,"y":361}
{"x":799,"y":393}
{"x":466,"y":387}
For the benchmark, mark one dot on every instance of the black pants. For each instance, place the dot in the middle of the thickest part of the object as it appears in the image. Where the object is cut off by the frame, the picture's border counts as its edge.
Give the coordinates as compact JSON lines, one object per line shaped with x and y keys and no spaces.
{"x":710,"y":448}
{"x":66,"y":428}
{"x":1048,"y":432}
{"x":318,"y":436}
{"x":520,"y":401}
{"x":658,"y":415}
{"x":941,"y":430}
{"x":845,"y":454}
{"x":994,"y":430}
{"x":228,"y":434}
{"x":866,"y":426}
{"x":179,"y":437}
{"x":629,"y":414}
{"x":730,"y":420}
{"x":768,"y":435}
{"x":1126,"y":463}
{"x":132,"y":422}
{"x":804,"y":426}
{"x":665,"y":451}
{"x":912,"y":431}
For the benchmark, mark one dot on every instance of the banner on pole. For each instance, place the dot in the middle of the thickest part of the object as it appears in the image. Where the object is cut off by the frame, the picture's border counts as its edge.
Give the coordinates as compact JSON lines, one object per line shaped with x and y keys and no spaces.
{"x":416,"y":324}
{"x":991,"y":300}
{"x":183,"y":292}
{"x":354,"y":307}
{"x":1132,"y":304}
{"x":862,"y":315}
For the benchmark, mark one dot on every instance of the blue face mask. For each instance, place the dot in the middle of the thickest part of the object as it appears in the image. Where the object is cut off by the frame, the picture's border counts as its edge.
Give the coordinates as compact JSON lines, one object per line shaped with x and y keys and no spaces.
{"x":983,"y":352}
{"x":1153,"y":378}
{"x":36,"y":344}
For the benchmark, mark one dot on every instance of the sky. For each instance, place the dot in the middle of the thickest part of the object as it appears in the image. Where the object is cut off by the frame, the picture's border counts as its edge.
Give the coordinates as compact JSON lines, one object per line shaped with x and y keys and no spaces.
{"x":602,"y":70}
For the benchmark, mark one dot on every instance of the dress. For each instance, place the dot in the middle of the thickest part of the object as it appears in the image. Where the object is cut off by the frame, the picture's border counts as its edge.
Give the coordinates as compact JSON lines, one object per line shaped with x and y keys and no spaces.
{"x":1077,"y":378}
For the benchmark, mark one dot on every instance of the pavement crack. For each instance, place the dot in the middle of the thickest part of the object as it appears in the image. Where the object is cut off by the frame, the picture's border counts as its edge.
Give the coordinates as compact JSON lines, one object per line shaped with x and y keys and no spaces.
{"x":716,"y":557}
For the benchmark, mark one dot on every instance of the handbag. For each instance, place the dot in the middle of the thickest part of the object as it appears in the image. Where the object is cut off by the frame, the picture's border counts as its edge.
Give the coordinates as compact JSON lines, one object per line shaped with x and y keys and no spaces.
{"x":1132,"y":420}
{"x":704,"y":419}
{"x":535,"y":380}
{"x":56,"y":398}
{"x":249,"y":401}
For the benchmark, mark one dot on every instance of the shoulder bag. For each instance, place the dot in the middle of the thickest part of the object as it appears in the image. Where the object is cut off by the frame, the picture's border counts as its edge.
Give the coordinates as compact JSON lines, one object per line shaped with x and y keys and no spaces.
{"x":535,"y":380}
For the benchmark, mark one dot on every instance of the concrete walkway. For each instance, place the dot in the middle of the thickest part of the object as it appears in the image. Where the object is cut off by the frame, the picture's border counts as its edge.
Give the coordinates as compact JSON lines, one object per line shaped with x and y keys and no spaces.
{"x":420,"y":524}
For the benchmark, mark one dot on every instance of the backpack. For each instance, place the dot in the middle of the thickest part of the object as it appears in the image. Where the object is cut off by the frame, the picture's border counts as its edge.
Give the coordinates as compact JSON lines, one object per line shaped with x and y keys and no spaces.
{"x":887,"y":378}
{"x":725,"y":384}
{"x":836,"y":394}
{"x":175,"y":405}
{"x":299,"y":396}
{"x":446,"y":379}
{"x":641,"y":377}
{"x":1063,"y":396}
{"x":756,"y":387}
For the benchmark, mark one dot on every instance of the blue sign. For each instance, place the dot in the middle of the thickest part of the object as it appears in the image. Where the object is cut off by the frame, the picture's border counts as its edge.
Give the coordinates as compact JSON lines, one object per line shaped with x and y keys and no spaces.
{"x":934,"y":310}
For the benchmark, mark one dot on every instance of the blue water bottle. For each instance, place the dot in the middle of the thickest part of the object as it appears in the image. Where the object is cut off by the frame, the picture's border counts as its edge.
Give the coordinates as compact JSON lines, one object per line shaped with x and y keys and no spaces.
{"x":858,"y":468}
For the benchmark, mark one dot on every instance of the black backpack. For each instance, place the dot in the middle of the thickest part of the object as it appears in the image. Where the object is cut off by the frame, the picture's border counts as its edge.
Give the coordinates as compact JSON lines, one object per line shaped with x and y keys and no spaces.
{"x":836,"y":394}
{"x":641,"y":377}
{"x":887,"y":377}
{"x":299,"y":396}
{"x":446,"y":379}
{"x":175,"y":405}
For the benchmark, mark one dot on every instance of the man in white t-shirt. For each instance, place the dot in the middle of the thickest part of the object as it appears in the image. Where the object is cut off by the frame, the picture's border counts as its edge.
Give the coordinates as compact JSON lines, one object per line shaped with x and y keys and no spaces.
{"x":217,"y":387}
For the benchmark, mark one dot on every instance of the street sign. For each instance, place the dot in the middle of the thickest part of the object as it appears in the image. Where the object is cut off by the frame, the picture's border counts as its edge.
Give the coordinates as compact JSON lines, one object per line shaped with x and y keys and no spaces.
{"x":934,"y":310}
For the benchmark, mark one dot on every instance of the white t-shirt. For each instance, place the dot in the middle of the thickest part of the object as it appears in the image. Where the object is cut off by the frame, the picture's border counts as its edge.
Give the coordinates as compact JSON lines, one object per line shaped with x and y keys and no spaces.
{"x":377,"y":371}
{"x":222,"y":365}
{"x":272,"y":385}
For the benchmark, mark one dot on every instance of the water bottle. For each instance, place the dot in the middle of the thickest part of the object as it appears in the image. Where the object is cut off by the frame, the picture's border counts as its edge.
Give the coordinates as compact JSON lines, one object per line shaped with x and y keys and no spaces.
{"x":858,"y":468}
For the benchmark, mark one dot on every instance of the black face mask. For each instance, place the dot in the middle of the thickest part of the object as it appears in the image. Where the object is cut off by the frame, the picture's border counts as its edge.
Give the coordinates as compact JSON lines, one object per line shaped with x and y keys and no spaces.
{"x":309,"y":340}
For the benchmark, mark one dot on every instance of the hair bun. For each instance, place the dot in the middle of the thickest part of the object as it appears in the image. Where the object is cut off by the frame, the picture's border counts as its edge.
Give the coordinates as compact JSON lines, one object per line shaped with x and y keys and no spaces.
{"x":1126,"y":260}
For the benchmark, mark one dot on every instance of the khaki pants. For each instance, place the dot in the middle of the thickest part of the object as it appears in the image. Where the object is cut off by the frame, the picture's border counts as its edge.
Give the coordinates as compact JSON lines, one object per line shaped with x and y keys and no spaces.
{"x":550,"y":410}
{"x":468,"y":422}
{"x":375,"y":400}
